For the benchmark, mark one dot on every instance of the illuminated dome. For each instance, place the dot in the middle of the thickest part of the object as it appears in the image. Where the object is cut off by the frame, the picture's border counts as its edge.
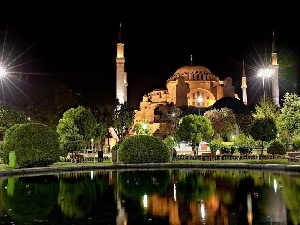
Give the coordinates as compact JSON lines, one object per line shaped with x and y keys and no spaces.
{"x":193,"y":73}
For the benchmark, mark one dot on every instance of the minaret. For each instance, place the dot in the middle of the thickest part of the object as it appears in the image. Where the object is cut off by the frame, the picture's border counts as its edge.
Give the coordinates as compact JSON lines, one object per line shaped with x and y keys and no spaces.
{"x":275,"y":66}
{"x":244,"y":85}
{"x":121,"y":75}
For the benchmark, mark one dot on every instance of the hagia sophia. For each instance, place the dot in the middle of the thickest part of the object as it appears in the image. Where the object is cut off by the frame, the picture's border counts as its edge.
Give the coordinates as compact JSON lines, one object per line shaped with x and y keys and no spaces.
{"x":191,"y":85}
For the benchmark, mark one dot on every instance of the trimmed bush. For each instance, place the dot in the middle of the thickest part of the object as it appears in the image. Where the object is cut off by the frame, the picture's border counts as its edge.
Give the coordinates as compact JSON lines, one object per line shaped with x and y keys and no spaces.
{"x":143,"y":149}
{"x":34,"y":144}
{"x":276,"y":147}
{"x":244,"y":149}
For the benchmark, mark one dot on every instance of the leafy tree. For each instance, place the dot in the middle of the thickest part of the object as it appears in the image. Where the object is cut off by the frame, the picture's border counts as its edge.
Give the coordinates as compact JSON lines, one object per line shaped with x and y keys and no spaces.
{"x":194,"y":128}
{"x":123,"y":119}
{"x":141,"y":129}
{"x":104,"y":119}
{"x":82,"y":119}
{"x":244,"y":121}
{"x":222,"y":120}
{"x":168,"y":115}
{"x":263,"y":129}
{"x":70,"y":139}
{"x":266,"y":107}
{"x":289,"y":118}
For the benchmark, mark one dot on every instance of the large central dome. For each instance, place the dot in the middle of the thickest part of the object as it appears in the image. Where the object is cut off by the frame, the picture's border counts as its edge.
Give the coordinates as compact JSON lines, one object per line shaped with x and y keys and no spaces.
{"x":193,"y":73}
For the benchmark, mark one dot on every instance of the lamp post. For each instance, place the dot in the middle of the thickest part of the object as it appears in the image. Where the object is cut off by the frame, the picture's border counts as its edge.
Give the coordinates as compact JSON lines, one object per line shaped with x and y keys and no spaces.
{"x":200,"y":100}
{"x":264,"y":73}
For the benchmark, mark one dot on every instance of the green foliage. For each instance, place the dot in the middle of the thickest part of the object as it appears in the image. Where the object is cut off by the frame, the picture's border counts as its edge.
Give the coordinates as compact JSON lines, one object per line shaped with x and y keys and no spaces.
{"x":34,"y":144}
{"x":70,"y":139}
{"x":263,"y":129}
{"x":244,"y":121}
{"x":290,"y":115}
{"x":276,"y":147}
{"x":244,"y":139}
{"x":244,"y":149}
{"x":266,"y":107}
{"x":143,"y":149}
{"x":194,"y":128}
{"x":123,"y":119}
{"x":215,"y":145}
{"x":82,"y":121}
{"x":227,"y":149}
{"x":169,"y":142}
{"x":222,"y":120}
{"x":296,"y":143}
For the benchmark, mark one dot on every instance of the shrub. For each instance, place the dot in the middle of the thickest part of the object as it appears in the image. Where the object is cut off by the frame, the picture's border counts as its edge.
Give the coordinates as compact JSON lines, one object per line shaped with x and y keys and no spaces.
{"x":215,"y":145}
{"x":34,"y":144}
{"x":276,"y":147}
{"x":296,"y":143}
{"x":227,"y":149}
{"x":244,"y":149}
{"x":143,"y":149}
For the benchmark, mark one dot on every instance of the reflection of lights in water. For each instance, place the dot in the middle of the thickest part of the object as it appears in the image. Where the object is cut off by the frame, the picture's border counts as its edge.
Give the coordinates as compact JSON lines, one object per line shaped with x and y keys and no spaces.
{"x":202,"y":210}
{"x":174,"y":192}
{"x":92,"y":175}
{"x":145,"y":201}
{"x":275,"y":185}
{"x":249,"y":206}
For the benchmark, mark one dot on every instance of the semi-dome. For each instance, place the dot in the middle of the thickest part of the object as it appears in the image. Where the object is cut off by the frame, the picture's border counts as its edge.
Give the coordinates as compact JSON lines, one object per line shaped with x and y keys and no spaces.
{"x":193,"y":73}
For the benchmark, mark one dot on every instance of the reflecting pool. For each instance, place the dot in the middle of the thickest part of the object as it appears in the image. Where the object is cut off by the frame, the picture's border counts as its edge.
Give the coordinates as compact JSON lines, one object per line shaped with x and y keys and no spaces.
{"x":163,"y":196}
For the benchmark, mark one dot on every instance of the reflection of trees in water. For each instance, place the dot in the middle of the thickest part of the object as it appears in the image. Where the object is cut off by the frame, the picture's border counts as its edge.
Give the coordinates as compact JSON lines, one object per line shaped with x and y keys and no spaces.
{"x":28,"y":199}
{"x":289,"y":186}
{"x":80,"y":196}
{"x":134,"y":184}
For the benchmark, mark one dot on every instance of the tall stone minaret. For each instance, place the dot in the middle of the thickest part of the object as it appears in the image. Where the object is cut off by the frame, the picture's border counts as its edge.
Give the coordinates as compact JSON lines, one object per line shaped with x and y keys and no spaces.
{"x":121,"y":75}
{"x":275,"y":66}
{"x":244,"y":85}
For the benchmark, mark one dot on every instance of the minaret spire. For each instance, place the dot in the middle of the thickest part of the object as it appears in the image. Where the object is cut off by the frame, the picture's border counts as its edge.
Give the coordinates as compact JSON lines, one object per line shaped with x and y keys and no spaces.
{"x":191,"y":59}
{"x":121,"y":75}
{"x":275,"y":67}
{"x":244,"y":84}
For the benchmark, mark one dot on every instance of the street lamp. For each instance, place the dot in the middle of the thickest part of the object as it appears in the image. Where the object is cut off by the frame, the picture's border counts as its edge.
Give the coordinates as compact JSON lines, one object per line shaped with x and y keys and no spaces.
{"x":264,"y":73}
{"x":200,"y":100}
{"x":2,"y":72}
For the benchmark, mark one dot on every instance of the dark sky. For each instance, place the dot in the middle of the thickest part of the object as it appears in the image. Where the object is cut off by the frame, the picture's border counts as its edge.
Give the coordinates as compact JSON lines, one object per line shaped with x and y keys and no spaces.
{"x":76,"y":43}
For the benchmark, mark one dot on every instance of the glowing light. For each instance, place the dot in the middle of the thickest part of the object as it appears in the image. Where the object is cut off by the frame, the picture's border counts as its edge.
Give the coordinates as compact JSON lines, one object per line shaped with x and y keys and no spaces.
{"x":202,"y":210}
{"x":2,"y":72}
{"x":145,"y":201}
{"x":265,"y":73}
{"x":174,"y":188}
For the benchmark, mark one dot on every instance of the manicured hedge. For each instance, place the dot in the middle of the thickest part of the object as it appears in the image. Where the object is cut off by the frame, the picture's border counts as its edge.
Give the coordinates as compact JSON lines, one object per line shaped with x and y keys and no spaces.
{"x":34,"y":144}
{"x":143,"y":149}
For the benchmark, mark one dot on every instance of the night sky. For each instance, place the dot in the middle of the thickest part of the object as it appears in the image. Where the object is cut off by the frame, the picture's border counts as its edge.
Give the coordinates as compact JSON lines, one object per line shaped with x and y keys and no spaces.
{"x":76,"y":44}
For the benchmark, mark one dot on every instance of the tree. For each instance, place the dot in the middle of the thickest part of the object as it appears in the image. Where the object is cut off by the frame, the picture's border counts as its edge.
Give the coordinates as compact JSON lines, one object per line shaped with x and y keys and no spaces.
{"x":123,"y":119}
{"x":82,"y":119}
{"x":244,"y":121}
{"x":194,"y":128}
{"x":290,"y":116}
{"x":70,"y":139}
{"x":266,"y":107}
{"x":222,"y":120}
{"x":169,"y":116}
{"x":263,"y":129}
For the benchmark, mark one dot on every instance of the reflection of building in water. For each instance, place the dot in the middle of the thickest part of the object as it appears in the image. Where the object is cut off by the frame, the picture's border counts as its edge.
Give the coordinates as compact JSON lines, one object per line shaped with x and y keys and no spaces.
{"x":209,"y":211}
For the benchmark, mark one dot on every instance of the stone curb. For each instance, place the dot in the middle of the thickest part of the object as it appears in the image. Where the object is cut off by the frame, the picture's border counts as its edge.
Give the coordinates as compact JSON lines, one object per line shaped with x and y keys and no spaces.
{"x":78,"y":168}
